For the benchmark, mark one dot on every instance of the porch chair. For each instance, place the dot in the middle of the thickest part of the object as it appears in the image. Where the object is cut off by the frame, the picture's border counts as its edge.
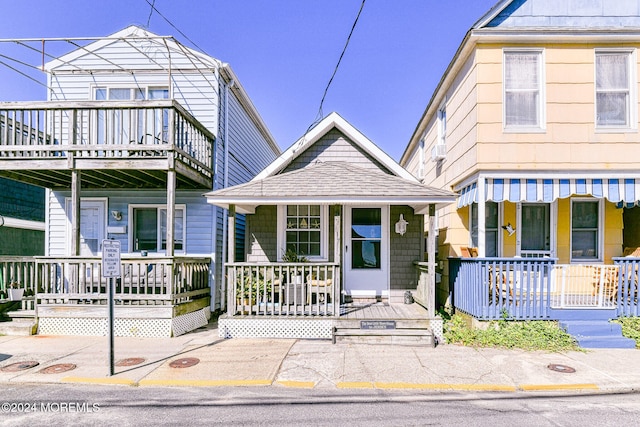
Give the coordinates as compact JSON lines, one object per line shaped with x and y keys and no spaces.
{"x":320,"y":287}
{"x":500,"y":286}
{"x":607,"y":277}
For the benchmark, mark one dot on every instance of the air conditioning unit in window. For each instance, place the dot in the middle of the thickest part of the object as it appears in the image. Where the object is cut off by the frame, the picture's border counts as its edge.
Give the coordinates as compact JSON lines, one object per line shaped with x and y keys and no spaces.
{"x":438,"y":152}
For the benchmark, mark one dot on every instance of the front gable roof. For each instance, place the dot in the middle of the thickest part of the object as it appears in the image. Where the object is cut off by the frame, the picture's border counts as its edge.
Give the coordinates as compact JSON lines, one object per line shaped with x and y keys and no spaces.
{"x":334,"y":120}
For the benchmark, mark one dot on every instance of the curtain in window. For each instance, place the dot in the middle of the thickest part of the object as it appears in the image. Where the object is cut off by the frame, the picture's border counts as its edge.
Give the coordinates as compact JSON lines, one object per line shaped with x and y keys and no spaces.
{"x":522,"y":94}
{"x":612,"y":89}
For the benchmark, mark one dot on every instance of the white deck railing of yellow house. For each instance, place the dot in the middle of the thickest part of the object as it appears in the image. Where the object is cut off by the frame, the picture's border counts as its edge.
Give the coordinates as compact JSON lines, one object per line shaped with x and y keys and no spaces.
{"x":527,"y":288}
{"x":283,"y":289}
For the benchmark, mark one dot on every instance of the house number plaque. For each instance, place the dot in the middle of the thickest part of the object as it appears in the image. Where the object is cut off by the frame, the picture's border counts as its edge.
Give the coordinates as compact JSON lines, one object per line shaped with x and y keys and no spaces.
{"x":377,"y":324}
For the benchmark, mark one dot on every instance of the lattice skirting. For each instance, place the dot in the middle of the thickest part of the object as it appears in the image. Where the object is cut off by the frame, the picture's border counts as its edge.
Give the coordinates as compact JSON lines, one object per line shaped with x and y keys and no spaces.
{"x":275,"y":328}
{"x":123,"y":327}
{"x":437,"y":328}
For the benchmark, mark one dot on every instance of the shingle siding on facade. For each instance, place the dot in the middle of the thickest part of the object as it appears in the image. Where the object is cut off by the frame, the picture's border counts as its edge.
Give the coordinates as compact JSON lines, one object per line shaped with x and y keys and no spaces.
{"x":404,"y":250}
{"x":334,"y":147}
{"x":262,"y":235}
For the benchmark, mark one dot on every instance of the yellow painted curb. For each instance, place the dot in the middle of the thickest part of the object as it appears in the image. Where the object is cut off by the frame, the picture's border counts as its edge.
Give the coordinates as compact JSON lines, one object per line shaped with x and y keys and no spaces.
{"x":204,"y":383}
{"x":297,"y":384}
{"x":354,"y":384}
{"x":435,"y":386}
{"x":545,"y":387}
{"x":119,"y":381}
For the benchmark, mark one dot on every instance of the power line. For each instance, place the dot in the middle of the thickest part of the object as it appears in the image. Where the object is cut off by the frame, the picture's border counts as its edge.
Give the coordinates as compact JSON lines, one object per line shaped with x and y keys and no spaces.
{"x":151,"y":12}
{"x":335,"y":70}
{"x":154,"y":9}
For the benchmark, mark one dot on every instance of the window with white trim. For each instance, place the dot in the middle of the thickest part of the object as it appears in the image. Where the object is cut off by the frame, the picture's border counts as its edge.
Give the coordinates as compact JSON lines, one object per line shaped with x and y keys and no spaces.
{"x":303,"y":230}
{"x":150,"y":228}
{"x":523,"y":89}
{"x":491,"y":235}
{"x":586,"y":227}
{"x":442,"y":125}
{"x":614,"y":77}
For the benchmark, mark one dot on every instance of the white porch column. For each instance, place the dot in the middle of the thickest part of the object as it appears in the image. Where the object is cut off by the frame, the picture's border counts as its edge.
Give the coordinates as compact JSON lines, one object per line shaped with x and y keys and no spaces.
{"x":231,"y":256}
{"x":481,"y":217}
{"x":431,"y":261}
{"x":171,"y":212}
{"x":75,"y":211}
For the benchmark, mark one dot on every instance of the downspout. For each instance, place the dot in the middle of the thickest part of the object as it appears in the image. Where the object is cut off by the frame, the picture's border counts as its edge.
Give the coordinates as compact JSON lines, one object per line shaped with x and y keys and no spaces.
{"x":225,"y":183}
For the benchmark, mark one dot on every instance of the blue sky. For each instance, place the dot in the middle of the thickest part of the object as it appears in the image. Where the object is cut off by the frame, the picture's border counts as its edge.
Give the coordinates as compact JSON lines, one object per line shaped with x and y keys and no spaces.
{"x":283,"y":52}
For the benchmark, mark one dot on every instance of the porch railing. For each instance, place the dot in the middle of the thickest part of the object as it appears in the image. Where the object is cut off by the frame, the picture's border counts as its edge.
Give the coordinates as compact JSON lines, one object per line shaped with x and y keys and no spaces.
{"x":144,"y":281}
{"x":425,"y":293}
{"x":584,"y":285}
{"x":495,"y":288}
{"x":627,"y":286}
{"x":21,"y":272}
{"x":104,"y":129}
{"x":283,"y":289}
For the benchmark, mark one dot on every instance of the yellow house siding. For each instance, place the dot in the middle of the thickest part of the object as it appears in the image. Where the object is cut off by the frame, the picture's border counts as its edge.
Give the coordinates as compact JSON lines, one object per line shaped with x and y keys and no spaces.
{"x":612,"y":232}
{"x":509,"y":217}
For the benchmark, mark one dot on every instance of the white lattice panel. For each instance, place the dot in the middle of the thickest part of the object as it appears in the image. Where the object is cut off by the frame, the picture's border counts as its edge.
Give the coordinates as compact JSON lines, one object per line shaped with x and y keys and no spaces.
{"x":190,"y":321}
{"x":274,"y":328}
{"x":99,"y":327}
{"x":437,"y":328}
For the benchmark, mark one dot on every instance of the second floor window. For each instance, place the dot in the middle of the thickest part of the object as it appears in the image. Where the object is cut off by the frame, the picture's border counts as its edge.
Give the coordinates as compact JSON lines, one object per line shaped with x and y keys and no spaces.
{"x":613,"y":89}
{"x":522,"y":89}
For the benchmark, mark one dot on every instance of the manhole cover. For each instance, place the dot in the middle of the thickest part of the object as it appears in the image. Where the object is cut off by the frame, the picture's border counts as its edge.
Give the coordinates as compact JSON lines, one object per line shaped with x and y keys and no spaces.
{"x":130,"y":361}
{"x":19,"y":366}
{"x":186,"y":362}
{"x":561,"y":368}
{"x":56,"y":369}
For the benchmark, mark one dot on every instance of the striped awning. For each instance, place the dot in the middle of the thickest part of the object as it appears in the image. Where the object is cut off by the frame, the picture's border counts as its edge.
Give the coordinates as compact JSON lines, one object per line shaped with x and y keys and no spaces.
{"x":623,"y":192}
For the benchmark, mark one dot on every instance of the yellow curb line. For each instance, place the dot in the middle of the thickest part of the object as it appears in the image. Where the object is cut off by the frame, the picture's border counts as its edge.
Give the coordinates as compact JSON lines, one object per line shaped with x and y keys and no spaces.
{"x":435,"y":386}
{"x":204,"y":383}
{"x":297,"y":384}
{"x":354,"y":384}
{"x":539,"y":387}
{"x":119,"y":381}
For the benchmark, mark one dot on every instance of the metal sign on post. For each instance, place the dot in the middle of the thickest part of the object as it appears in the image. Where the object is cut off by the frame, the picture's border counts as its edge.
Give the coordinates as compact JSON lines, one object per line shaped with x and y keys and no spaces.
{"x":111,"y":269}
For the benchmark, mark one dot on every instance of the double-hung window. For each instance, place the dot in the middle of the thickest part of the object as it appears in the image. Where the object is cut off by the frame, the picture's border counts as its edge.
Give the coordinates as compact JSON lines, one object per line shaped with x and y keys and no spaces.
{"x":303,"y":230}
{"x":523,"y":90}
{"x":614,"y":94}
{"x":150,"y":228}
{"x":585,"y":229}
{"x":491,"y":214}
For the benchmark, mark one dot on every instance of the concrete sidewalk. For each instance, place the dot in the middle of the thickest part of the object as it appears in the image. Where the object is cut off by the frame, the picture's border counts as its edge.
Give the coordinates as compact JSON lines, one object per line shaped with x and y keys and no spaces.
{"x":311,"y":364}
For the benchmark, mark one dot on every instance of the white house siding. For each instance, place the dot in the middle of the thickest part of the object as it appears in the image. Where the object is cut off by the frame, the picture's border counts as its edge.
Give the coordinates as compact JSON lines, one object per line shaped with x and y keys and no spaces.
{"x":199,"y":233}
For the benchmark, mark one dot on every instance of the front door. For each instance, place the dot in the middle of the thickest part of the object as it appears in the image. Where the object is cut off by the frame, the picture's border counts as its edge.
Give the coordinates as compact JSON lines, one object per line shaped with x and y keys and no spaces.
{"x":366,"y":252}
{"x":536,"y":224}
{"x":92,"y":225}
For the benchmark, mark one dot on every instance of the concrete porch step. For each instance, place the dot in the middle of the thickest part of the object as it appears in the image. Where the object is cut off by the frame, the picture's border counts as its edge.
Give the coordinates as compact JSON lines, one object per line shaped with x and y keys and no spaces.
{"x":19,"y":327}
{"x":414,"y":336}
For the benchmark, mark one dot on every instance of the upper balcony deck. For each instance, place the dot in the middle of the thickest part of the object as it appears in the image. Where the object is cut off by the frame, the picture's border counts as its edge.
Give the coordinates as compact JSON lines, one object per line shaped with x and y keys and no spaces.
{"x":130,"y":144}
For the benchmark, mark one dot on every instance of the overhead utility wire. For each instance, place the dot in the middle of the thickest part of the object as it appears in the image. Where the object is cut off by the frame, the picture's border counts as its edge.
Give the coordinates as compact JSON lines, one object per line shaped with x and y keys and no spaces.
{"x":335,"y":70}
{"x":171,"y":23}
{"x":151,"y":12}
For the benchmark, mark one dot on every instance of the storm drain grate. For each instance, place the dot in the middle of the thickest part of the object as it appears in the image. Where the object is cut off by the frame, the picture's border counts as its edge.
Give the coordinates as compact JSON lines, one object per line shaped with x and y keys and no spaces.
{"x":186,"y":362}
{"x":59,"y":368}
{"x":19,"y":366}
{"x":561,"y":368}
{"x":131,"y":361}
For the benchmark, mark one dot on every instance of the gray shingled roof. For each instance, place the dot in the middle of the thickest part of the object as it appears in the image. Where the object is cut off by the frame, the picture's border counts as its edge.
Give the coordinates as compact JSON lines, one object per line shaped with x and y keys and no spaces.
{"x":331,"y":181}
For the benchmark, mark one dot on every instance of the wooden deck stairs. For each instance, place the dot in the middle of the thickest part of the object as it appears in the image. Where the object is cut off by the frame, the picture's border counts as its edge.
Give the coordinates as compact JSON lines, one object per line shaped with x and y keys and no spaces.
{"x":383,"y":323}
{"x":16,"y":321}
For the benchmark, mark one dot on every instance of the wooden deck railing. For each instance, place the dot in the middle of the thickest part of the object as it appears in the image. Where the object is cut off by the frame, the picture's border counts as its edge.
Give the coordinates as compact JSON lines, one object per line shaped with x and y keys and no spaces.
{"x":21,"y":272}
{"x":144,"y":280}
{"x":425,"y":293}
{"x":495,"y":288}
{"x":283,"y":289}
{"x":104,"y":129}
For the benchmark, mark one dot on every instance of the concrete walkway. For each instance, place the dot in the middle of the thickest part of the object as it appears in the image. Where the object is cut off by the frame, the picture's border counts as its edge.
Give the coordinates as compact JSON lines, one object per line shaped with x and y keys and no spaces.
{"x":311,"y":364}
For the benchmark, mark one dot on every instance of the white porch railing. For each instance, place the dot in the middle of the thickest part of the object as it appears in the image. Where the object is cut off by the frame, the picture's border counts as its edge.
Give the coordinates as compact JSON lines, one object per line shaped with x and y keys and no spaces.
{"x":283,"y":289}
{"x":144,"y":281}
{"x":584,"y":286}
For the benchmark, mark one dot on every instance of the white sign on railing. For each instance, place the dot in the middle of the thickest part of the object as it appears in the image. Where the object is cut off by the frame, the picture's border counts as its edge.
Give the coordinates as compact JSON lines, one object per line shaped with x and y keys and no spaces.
{"x":110,"y":258}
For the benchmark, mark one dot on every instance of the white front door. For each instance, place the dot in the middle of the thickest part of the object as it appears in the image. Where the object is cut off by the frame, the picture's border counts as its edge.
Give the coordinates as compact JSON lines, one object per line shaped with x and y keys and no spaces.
{"x":92,"y":225}
{"x":366,"y":251}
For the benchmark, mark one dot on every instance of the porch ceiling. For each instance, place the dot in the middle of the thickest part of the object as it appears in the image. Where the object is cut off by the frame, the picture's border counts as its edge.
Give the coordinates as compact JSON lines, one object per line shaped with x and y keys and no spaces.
{"x":330,"y":183}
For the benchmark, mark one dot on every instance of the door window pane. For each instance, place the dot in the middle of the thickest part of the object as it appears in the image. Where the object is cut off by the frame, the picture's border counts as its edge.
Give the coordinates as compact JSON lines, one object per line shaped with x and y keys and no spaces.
{"x":366,"y":237}
{"x":584,"y":229}
{"x":491,"y":228}
{"x":536,"y":227}
{"x":145,"y":233}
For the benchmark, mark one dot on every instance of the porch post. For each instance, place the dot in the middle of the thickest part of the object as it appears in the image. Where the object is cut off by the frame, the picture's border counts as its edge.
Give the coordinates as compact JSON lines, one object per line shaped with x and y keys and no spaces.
{"x":431,"y":261}
{"x":231,"y":257}
{"x":481,"y":217}
{"x":75,"y":211}
{"x":171,"y":211}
